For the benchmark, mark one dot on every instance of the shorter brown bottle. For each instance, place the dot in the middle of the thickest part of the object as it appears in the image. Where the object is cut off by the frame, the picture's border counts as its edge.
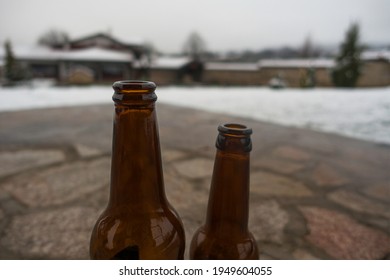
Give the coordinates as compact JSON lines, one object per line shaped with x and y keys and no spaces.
{"x":225,"y":234}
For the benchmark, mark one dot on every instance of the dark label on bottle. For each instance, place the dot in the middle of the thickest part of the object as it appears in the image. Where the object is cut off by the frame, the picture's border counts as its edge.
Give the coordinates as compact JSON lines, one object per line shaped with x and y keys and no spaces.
{"x":129,"y":253}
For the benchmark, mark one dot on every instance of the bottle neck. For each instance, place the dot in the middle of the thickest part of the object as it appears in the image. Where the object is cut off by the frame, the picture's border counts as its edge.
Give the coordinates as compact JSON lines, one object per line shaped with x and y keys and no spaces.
{"x":136,"y":170}
{"x":228,"y":207}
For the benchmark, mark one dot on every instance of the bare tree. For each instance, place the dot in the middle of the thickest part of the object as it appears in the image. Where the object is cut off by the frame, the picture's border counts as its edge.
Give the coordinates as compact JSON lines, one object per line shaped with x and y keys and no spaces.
{"x":194,"y":46}
{"x":54,"y":38}
{"x":308,"y":49}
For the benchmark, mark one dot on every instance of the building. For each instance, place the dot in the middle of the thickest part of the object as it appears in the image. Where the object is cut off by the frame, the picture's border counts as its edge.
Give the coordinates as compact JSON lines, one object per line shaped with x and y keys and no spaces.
{"x":296,"y":72}
{"x":166,"y":70}
{"x":376,"y":69}
{"x":231,"y":73}
{"x":92,"y":59}
{"x":92,"y":64}
{"x":101,"y":58}
{"x":105,"y":41}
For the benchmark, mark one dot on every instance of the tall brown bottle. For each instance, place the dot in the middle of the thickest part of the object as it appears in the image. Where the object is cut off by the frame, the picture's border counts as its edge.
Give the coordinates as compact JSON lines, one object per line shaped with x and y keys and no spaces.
{"x":138,"y":222}
{"x":225,"y":234}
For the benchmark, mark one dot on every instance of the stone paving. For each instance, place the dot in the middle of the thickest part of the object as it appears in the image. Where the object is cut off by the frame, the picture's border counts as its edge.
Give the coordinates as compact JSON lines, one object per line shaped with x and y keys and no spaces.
{"x":313,"y":195}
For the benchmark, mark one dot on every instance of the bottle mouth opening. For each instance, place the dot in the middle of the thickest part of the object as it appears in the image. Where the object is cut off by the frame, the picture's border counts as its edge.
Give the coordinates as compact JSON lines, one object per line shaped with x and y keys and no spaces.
{"x":234,"y":128}
{"x":134,"y":86}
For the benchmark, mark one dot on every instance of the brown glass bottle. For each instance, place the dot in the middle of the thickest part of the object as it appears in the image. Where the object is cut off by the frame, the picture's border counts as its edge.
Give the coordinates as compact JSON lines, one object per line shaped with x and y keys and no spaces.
{"x":225,"y":234}
{"x":138,"y":222}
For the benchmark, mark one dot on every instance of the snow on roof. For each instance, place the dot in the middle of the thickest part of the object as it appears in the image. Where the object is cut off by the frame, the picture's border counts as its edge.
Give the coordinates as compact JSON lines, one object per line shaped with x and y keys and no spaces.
{"x":170,"y":62}
{"x":31,"y":52}
{"x":89,"y":54}
{"x":297,"y":63}
{"x":376,"y":55}
{"x":96,"y":54}
{"x":232,"y":66}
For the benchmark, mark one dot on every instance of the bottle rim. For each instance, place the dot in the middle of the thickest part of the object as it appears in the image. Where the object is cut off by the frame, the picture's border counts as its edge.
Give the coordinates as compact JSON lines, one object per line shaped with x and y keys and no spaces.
{"x":134,"y":92}
{"x":136,"y":86}
{"x":235,"y":129}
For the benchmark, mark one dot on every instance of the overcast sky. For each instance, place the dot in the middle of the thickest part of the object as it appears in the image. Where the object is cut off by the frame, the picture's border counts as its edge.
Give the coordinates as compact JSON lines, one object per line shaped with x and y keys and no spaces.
{"x":223,"y":24}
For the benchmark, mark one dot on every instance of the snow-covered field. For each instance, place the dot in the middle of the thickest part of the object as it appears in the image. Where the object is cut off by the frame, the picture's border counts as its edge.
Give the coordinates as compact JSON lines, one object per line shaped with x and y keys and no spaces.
{"x":360,"y":113}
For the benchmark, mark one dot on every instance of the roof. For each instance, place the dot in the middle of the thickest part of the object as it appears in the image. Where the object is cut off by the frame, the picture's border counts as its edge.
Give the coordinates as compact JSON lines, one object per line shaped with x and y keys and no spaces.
{"x":232,"y":66}
{"x":376,"y":55}
{"x":96,"y":54}
{"x":297,"y":63}
{"x":170,"y":62}
{"x":89,"y":54}
{"x":125,"y":43}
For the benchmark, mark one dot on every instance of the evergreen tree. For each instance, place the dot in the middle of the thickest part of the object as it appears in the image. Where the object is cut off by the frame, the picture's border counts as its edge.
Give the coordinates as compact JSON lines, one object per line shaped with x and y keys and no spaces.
{"x":14,"y":72}
{"x":348,"y":63}
{"x":10,"y":63}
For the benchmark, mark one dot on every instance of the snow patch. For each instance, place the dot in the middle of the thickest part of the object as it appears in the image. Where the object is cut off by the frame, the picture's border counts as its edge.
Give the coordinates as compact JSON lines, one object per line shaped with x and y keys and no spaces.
{"x":359,"y":113}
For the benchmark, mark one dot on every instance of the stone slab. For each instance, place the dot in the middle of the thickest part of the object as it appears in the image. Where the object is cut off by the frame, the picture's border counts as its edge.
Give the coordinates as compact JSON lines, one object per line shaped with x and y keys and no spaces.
{"x":278,"y":165}
{"x":87,"y":151}
{"x":327,"y":176}
{"x":357,"y":202}
{"x":169,"y":155}
{"x":60,"y":184}
{"x":379,"y":191}
{"x":16,"y":161}
{"x":56,"y":234}
{"x":196,"y":168}
{"x":301,"y":254}
{"x":265,"y":183}
{"x":181,"y":193}
{"x":341,"y":237}
{"x":291,"y":153}
{"x":267,"y":221}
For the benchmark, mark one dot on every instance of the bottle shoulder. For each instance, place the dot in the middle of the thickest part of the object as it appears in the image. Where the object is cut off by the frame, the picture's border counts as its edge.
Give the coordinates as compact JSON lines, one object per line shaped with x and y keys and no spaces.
{"x":164,"y":218}
{"x":208,"y":245}
{"x":153,"y":233}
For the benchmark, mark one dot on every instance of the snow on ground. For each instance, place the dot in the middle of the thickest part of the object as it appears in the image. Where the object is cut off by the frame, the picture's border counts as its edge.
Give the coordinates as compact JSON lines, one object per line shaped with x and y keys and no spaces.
{"x":359,"y":113}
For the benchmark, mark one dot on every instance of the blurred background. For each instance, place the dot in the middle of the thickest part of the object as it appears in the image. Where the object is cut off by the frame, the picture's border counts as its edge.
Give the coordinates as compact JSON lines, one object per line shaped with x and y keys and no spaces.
{"x":277,"y":43}
{"x":323,"y":47}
